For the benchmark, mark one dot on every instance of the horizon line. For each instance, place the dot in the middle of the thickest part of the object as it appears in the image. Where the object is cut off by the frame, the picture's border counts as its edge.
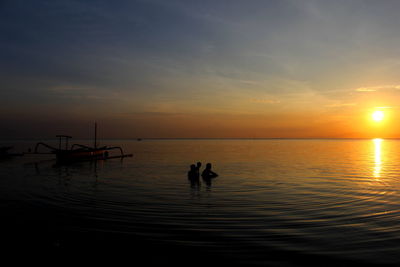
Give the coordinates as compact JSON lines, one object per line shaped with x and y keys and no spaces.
{"x":211,"y":138}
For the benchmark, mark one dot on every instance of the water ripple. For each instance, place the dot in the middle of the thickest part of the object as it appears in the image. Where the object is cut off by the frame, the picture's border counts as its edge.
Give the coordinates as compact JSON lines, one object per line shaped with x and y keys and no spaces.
{"x":328,"y":202}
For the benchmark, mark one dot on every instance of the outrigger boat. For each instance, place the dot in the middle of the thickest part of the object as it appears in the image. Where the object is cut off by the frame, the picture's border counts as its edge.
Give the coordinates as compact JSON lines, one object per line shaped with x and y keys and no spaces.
{"x":5,"y":154}
{"x":79,"y":152}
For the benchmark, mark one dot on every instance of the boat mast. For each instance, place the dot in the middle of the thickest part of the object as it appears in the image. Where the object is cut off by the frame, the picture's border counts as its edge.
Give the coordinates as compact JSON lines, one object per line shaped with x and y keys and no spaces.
{"x":95,"y":134}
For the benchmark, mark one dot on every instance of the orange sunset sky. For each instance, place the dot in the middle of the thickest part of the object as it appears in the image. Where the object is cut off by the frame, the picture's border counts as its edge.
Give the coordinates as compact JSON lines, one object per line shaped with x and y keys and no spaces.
{"x":200,"y":69}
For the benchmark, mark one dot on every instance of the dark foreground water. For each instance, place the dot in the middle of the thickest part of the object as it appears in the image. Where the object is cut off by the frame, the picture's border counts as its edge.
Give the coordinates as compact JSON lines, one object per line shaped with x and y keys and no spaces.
{"x":275,"y":203}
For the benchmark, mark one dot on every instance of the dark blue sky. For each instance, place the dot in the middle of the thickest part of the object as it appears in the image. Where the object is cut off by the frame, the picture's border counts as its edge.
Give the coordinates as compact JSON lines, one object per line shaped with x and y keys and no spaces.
{"x":168,"y":68}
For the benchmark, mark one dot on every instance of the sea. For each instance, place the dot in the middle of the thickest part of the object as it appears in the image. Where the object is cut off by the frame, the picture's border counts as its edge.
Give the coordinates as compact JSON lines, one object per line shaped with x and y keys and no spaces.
{"x":275,"y":202}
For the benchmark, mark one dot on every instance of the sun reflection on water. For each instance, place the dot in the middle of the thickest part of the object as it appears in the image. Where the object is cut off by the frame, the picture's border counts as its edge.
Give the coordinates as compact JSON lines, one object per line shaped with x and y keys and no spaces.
{"x":378,"y":157}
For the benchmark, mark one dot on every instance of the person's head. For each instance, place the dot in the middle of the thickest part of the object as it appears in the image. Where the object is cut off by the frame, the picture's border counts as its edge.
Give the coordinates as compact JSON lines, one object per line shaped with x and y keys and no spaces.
{"x":208,"y":166}
{"x":192,"y":167}
{"x":198,"y":164}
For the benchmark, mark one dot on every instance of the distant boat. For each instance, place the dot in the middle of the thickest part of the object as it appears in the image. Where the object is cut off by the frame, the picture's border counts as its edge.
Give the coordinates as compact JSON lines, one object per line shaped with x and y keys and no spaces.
{"x":79,"y":152}
{"x":5,"y":154}
{"x":4,"y":149}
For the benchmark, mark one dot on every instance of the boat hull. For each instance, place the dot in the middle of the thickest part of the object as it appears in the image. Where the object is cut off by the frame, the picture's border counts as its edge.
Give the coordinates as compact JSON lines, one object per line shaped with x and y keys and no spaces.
{"x":79,"y":155}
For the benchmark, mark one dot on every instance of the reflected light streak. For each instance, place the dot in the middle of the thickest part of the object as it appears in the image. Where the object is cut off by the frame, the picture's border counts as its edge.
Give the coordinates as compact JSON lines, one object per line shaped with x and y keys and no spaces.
{"x":378,"y":157}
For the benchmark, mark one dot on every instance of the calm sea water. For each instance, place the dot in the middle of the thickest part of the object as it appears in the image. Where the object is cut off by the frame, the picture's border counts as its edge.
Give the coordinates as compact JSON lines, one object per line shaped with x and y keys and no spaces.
{"x":275,"y":202}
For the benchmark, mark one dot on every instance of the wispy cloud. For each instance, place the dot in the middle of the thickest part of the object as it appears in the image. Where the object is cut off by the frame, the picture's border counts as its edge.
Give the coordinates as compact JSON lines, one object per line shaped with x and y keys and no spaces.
{"x":378,"y":87}
{"x":150,"y":113}
{"x":265,"y":101}
{"x":338,"y":105}
{"x":385,"y":107}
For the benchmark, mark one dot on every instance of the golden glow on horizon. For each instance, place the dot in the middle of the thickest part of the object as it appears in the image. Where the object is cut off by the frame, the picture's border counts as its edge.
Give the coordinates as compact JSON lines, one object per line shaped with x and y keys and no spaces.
{"x":378,"y":115}
{"x":378,"y":157}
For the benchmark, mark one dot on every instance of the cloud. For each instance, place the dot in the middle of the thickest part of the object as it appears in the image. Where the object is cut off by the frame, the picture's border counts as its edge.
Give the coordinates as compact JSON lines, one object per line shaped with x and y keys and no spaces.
{"x":151,"y":113}
{"x":338,"y":105}
{"x":386,"y":107}
{"x":377,"y":88}
{"x":265,"y":101}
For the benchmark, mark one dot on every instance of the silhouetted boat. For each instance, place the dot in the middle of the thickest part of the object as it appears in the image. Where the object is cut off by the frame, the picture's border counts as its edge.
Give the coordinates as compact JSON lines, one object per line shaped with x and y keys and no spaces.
{"x":79,"y":152}
{"x":4,"y":152}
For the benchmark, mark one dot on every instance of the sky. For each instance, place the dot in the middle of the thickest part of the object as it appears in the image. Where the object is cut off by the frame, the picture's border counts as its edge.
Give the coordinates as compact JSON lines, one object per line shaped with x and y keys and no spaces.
{"x":199,"y":69}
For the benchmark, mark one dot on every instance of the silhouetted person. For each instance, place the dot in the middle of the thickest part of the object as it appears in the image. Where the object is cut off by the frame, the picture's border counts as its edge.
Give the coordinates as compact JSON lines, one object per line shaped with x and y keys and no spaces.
{"x":208,"y":173}
{"x":193,"y":175}
{"x":198,"y":166}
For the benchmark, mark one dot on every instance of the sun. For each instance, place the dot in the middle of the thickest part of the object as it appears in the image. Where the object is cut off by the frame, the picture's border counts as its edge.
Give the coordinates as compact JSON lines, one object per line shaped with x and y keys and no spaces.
{"x":378,"y":115}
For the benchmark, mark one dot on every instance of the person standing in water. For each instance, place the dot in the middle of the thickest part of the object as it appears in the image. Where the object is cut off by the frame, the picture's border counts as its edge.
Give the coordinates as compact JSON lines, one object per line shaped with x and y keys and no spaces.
{"x":193,"y":172}
{"x":193,"y":176}
{"x":208,"y":173}
{"x":198,"y":166}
